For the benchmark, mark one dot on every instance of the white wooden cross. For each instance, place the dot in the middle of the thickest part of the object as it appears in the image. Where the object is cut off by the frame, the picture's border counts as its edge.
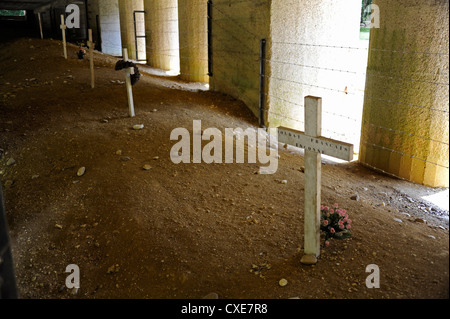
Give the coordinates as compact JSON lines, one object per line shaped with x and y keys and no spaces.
{"x":91,"y":46}
{"x":63,"y":29}
{"x":314,"y":145}
{"x":129,"y":71}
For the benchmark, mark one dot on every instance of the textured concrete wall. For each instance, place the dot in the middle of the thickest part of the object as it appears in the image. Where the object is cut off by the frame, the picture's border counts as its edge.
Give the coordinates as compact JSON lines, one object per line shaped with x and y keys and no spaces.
{"x":93,"y":11}
{"x":161,"y":24}
{"x":127,"y":28}
{"x":406,"y":121}
{"x":316,"y":50}
{"x":110,"y":27}
{"x":238,"y":27}
{"x":193,"y":35}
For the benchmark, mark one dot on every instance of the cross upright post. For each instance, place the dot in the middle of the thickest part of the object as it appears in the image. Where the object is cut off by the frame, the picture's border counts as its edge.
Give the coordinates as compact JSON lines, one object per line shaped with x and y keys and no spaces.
{"x":128,"y":72}
{"x":313,"y":174}
{"x":63,"y":30}
{"x":91,"y":57}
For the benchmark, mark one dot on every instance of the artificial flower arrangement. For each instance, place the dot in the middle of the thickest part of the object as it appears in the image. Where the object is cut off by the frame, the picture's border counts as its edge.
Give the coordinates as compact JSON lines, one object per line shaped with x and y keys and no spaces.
{"x":334,"y":223}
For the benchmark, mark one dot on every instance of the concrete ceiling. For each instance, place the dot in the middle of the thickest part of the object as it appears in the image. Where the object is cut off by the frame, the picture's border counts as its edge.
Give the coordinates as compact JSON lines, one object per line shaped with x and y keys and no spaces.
{"x":25,"y":4}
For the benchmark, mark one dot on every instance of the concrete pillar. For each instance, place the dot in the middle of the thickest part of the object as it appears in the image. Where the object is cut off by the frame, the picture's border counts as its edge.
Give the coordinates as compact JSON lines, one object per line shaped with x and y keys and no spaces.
{"x":238,"y":27}
{"x":110,"y":27}
{"x":128,"y":34}
{"x":161,"y":24}
{"x":193,"y":35}
{"x":405,"y":129}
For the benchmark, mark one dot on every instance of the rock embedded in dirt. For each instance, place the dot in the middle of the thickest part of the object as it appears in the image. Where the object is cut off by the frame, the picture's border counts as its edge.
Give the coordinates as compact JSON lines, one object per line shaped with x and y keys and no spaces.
{"x":283,"y":282}
{"x":10,"y":162}
{"x":81,"y":171}
{"x":138,"y":127}
{"x":147,"y":167}
{"x":355,"y":197}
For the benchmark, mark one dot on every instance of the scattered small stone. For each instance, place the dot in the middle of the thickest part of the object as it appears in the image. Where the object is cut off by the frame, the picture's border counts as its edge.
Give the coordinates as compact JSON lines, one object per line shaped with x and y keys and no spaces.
{"x":431,"y":236}
{"x":58,"y":226}
{"x":283,"y":282}
{"x":147,"y":167}
{"x":284,"y":181}
{"x":81,"y":171}
{"x":35,"y":176}
{"x":154,"y":110}
{"x":309,"y":260}
{"x":119,"y":152}
{"x":75,"y":182}
{"x":398,"y":220}
{"x":105,"y":121}
{"x":10,"y":162}
{"x":156,"y":158}
{"x":113,"y":269}
{"x":355,"y":197}
{"x":126,"y":159}
{"x":138,"y":127}
{"x":419,"y":220}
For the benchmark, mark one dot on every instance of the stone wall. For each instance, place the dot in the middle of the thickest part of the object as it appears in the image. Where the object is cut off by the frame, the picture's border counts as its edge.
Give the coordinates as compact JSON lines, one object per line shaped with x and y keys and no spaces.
{"x":237,"y":28}
{"x":316,"y":50}
{"x":110,"y":27}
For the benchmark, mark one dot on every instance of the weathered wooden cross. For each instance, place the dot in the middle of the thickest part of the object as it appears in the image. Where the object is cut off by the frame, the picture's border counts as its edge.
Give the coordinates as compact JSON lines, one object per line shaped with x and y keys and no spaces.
{"x":314,"y":145}
{"x":63,"y":29}
{"x":129,"y":71}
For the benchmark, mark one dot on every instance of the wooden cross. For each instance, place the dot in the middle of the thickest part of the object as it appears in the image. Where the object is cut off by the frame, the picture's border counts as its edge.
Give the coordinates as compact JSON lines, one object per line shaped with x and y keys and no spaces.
{"x":314,"y":145}
{"x":91,"y":46}
{"x":63,"y":29}
{"x":129,"y":71}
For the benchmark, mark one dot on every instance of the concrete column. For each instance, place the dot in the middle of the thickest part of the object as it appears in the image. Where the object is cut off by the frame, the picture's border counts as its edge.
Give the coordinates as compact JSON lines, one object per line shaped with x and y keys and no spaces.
{"x":193,"y":40}
{"x":405,"y":128}
{"x":110,"y":27}
{"x":126,"y":9}
{"x":161,"y":28}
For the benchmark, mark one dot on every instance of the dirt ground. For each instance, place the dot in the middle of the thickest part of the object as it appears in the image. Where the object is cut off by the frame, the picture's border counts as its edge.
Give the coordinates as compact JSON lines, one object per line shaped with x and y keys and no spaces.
{"x":184,"y":231}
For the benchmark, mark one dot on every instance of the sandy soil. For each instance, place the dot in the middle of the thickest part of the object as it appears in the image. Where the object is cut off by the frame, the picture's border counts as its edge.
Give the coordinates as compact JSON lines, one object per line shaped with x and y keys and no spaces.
{"x":184,"y":231}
